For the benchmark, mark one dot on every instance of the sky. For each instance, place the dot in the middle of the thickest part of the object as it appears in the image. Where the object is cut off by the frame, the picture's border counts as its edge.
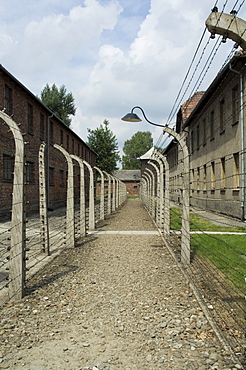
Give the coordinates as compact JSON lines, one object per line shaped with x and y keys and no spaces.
{"x":113,"y":55}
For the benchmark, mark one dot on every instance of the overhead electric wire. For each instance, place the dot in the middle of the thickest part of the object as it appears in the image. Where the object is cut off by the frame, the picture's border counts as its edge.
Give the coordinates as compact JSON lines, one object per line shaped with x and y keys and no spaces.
{"x":202,"y":75}
{"x":186,"y":76}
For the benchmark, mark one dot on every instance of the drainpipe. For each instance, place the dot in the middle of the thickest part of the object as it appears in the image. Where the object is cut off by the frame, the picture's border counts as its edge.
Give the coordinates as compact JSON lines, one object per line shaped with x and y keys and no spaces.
{"x":241,"y":121}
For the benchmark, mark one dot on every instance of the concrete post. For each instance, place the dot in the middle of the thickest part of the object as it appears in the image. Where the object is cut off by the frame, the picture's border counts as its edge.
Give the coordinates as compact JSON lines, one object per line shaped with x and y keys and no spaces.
{"x":166,"y":210}
{"x":17,"y":261}
{"x":70,"y":229}
{"x":82,"y":226}
{"x":43,"y":204}
{"x":91,"y":198}
{"x":158,"y":199}
{"x":185,"y":236}
{"x":101,"y":193}
{"x":152,"y":181}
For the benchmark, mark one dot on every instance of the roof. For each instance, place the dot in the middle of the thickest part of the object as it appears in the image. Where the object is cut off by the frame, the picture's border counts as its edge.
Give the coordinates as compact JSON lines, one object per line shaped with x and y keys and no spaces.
{"x":190,"y":104}
{"x":42,"y":104}
{"x":237,"y":62}
{"x":128,"y":175}
{"x":148,"y":154}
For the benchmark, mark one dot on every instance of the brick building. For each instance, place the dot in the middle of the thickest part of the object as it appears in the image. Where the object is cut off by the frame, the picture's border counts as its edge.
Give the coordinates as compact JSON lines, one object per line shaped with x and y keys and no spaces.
{"x":38,"y":125}
{"x":215,"y":128}
{"x":131,"y":178}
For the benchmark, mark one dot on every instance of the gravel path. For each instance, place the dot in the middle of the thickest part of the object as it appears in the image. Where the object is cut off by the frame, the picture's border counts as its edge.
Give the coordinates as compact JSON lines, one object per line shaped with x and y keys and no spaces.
{"x":116,"y":301}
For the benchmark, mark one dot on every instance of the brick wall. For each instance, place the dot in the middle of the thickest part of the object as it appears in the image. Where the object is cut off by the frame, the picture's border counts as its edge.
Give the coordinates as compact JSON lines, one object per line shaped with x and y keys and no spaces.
{"x":36,"y":127}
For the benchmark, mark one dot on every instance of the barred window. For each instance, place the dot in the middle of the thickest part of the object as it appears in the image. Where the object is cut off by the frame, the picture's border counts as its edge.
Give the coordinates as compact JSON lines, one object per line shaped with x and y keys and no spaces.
{"x":222,"y":115}
{"x":8,"y":167}
{"x":30,"y":173}
{"x":236,"y":169}
{"x":223,"y":173}
{"x":51,"y":176}
{"x":235,"y":104}
{"x":212,"y":125}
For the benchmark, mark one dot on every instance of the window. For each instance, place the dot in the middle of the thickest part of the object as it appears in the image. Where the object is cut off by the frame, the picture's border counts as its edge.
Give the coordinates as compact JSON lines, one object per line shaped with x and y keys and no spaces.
{"x":236,"y":169}
{"x":235,"y":104}
{"x":223,"y":173}
{"x":204,"y":177}
{"x":73,"y":146}
{"x":8,"y":103}
{"x":30,"y":119}
{"x":8,"y":167}
{"x":61,"y":134}
{"x":78,"y":150}
{"x":62,"y":178}
{"x":67,"y":142}
{"x":192,"y":141}
{"x":198,"y":178}
{"x":41,"y":126}
{"x":193,"y":178}
{"x":222,"y":115}
{"x":30,"y":172}
{"x":211,"y":125}
{"x":197,"y":137}
{"x":204,"y":131}
{"x":51,"y":176}
{"x":212,"y":175}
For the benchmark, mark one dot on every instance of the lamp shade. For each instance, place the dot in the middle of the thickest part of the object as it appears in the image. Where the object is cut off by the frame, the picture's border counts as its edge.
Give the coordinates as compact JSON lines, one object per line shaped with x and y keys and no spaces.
{"x":131,"y":117}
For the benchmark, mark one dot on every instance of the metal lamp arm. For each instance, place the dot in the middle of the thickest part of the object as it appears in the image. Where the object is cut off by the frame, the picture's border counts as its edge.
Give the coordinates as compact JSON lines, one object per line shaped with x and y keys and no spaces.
{"x":155,"y":124}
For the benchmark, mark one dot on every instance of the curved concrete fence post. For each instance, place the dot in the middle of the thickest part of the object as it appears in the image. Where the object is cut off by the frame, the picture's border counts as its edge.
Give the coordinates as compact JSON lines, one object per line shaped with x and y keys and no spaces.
{"x":101,"y":193}
{"x":143,"y":190}
{"x":185,"y":235}
{"x":161,"y":173}
{"x":70,"y":229}
{"x":82,"y":224}
{"x":117,"y":182}
{"x":18,"y":229}
{"x":153,"y":204}
{"x":114,"y":193}
{"x":158,"y":198}
{"x":149,"y":192}
{"x":91,"y":198}
{"x":229,"y":26}
{"x":123,"y":193}
{"x":166,"y":195}
{"x":43,"y":206}
{"x":109,"y":193}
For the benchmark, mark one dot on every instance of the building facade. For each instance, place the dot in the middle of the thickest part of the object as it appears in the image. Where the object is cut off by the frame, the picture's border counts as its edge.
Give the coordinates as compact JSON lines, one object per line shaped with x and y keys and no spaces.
{"x":38,"y":125}
{"x":131,"y":178}
{"x":215,"y":133}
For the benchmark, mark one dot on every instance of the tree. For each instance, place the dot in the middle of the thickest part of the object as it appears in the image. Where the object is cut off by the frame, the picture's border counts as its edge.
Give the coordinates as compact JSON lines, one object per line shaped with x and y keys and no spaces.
{"x":104,"y":143}
{"x":59,"y":102}
{"x":138,"y":145}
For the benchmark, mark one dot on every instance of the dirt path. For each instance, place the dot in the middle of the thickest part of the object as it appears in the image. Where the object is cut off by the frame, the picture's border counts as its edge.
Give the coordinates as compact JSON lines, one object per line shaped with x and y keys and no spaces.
{"x":116,"y":301}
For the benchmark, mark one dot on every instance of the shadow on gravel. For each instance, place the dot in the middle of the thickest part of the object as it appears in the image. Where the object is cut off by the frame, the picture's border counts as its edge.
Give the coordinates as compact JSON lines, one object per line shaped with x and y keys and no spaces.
{"x":46,"y":276}
{"x":60,"y":265}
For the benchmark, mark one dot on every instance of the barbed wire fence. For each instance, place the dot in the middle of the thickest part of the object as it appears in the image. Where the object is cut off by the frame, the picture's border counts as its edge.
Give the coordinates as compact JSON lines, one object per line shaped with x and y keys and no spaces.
{"x":27,"y":243}
{"x":217,"y":266}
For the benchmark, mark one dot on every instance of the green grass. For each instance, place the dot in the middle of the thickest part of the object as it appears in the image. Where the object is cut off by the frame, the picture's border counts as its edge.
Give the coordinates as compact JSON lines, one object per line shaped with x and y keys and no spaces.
{"x":199,"y":223}
{"x":227,"y":253}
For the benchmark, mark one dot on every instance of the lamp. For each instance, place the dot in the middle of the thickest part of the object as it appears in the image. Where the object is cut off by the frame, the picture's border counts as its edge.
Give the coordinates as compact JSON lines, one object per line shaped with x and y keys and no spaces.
{"x":185,"y":236}
{"x":133,"y":117}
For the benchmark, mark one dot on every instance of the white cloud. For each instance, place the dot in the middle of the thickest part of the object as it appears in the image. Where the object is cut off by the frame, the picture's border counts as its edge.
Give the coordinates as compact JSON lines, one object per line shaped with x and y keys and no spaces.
{"x":105,"y":59}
